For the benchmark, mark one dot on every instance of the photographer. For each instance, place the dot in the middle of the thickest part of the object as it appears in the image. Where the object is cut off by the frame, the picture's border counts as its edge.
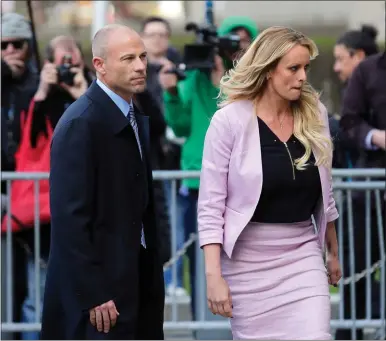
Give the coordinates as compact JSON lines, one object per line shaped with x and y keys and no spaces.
{"x":63,"y":79}
{"x":189,"y":106}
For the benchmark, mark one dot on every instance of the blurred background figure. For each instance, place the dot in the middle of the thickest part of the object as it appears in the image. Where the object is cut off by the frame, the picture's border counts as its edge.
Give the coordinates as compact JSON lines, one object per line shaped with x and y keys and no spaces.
{"x":19,"y":81}
{"x":353,"y":47}
{"x":156,"y":32}
{"x":363,"y":122}
{"x":350,"y":49}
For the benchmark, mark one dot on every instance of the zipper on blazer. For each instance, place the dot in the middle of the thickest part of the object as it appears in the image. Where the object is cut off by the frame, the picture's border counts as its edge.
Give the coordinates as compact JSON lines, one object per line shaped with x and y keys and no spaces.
{"x":292,"y":163}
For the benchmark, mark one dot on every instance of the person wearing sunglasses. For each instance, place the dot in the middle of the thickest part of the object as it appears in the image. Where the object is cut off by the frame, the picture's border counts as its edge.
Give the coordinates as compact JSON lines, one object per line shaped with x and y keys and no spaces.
{"x":19,"y":81}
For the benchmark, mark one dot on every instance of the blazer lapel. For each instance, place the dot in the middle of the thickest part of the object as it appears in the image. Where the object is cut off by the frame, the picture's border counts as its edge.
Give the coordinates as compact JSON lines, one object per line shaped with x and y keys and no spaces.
{"x":248,"y":149}
{"x":323,"y":173}
{"x":320,"y":211}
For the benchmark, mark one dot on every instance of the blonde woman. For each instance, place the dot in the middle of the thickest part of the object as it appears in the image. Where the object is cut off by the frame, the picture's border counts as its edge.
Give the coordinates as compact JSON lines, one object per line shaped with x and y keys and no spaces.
{"x":266,"y":171}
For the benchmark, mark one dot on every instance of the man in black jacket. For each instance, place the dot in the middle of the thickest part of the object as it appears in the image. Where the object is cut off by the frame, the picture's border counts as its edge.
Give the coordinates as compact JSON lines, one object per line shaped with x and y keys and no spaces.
{"x":105,"y":278}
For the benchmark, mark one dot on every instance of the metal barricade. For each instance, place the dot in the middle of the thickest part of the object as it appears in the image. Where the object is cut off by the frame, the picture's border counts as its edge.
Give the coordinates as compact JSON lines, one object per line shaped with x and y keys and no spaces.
{"x":360,"y":180}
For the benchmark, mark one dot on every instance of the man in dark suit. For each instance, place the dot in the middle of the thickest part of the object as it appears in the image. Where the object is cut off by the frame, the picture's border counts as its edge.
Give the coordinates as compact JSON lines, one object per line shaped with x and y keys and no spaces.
{"x":105,"y":277}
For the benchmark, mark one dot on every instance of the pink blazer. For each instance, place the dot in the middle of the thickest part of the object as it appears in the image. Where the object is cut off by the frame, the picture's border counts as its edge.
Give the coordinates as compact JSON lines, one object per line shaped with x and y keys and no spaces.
{"x":231,"y":178}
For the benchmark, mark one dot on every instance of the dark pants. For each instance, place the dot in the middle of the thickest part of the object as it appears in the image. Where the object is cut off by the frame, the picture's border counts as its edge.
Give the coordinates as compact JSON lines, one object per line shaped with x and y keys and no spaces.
{"x":359,"y":222}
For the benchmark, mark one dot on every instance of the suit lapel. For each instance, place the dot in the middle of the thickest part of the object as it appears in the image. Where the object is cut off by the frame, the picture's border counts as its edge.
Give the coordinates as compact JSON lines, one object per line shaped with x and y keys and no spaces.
{"x":112,"y":115}
{"x":143,"y":130}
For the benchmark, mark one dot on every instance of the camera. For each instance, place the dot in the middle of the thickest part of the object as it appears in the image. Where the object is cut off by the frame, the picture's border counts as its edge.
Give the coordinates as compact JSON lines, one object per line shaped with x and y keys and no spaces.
{"x":177,"y":70}
{"x":200,"y":55}
{"x":65,"y":75}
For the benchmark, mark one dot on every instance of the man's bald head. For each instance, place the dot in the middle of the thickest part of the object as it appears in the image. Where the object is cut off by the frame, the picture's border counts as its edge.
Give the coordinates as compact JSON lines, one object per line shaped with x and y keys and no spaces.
{"x":108,"y":34}
{"x":120,"y":60}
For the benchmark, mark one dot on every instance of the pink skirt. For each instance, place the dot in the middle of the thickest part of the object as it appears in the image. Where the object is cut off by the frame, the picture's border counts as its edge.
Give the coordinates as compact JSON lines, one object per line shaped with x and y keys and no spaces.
{"x":278,"y":284}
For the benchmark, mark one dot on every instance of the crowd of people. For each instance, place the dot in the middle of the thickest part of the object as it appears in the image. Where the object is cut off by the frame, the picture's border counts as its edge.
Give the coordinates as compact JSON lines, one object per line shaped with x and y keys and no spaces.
{"x":180,"y":112}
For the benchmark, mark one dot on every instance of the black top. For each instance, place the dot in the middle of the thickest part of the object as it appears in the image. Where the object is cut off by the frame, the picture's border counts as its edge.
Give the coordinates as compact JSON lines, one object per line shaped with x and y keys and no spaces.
{"x":288,"y":195}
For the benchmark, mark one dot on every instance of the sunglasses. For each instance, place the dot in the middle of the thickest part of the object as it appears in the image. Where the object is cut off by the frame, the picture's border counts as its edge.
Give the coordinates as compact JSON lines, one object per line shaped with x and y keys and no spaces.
{"x":17,"y":44}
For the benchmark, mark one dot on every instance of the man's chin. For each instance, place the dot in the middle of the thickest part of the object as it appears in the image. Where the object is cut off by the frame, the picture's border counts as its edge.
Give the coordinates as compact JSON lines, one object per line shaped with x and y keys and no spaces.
{"x":139,"y":88}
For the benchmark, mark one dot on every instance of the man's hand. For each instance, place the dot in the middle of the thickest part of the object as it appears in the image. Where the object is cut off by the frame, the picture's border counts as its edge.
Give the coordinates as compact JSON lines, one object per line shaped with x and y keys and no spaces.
{"x":167,"y":80}
{"x":104,"y":317}
{"x":48,"y":76}
{"x":16,"y":65}
{"x":80,"y":84}
{"x":219,"y":70}
{"x":379,"y":139}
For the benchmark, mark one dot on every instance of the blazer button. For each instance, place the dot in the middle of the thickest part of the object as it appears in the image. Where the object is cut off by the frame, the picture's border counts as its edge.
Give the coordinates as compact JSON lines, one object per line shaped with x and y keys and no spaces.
{"x":133,"y":222}
{"x":137,"y":175}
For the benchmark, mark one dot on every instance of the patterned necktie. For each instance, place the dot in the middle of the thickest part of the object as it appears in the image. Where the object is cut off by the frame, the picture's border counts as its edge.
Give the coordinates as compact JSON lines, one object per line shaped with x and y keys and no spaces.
{"x":133,"y":123}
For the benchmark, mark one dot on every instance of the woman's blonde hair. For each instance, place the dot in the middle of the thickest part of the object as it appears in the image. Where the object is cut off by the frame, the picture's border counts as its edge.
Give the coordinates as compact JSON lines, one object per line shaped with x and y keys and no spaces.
{"x":248,"y":80}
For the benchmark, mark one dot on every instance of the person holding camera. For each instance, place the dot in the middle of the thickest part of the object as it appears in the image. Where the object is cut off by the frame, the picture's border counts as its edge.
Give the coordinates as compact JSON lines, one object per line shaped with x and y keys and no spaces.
{"x":189,"y":105}
{"x":63,"y":79}
{"x":64,"y":76}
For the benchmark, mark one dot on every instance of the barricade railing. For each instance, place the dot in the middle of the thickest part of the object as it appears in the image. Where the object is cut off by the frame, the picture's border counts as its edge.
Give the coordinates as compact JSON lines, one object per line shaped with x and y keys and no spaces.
{"x":346,"y":183}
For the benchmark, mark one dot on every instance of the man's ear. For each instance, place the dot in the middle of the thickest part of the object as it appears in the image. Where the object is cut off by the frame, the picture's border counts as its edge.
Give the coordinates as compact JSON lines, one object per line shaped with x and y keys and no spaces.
{"x":99,"y":65}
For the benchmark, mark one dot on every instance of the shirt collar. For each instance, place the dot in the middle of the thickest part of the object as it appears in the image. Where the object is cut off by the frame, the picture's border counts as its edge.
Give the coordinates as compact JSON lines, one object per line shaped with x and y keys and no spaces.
{"x":121,"y":103}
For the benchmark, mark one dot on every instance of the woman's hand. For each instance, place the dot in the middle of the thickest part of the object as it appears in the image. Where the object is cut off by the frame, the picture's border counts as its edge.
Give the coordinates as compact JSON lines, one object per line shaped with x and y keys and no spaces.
{"x":219,"y":296}
{"x":334,"y":270}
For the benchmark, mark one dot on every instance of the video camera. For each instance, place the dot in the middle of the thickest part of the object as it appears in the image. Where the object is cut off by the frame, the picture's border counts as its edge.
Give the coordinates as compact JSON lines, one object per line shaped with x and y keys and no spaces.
{"x":178,"y":70}
{"x":200,"y":55}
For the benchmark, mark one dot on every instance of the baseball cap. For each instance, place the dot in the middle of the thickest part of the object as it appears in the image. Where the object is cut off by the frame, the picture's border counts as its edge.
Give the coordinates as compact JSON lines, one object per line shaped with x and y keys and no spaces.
{"x":14,"y":25}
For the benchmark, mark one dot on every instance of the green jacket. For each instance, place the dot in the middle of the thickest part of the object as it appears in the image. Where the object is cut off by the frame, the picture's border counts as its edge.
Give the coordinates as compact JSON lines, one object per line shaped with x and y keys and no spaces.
{"x":189,"y":113}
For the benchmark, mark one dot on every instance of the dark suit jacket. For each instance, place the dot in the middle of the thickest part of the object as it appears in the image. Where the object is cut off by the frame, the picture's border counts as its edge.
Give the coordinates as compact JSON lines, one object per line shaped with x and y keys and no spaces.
{"x":100,"y":195}
{"x":148,"y":105}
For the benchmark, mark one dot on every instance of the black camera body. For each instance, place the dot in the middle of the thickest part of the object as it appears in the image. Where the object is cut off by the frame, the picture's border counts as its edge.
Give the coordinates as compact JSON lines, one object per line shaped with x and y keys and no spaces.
{"x":200,"y":55}
{"x":65,"y":75}
{"x":177,"y":70}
